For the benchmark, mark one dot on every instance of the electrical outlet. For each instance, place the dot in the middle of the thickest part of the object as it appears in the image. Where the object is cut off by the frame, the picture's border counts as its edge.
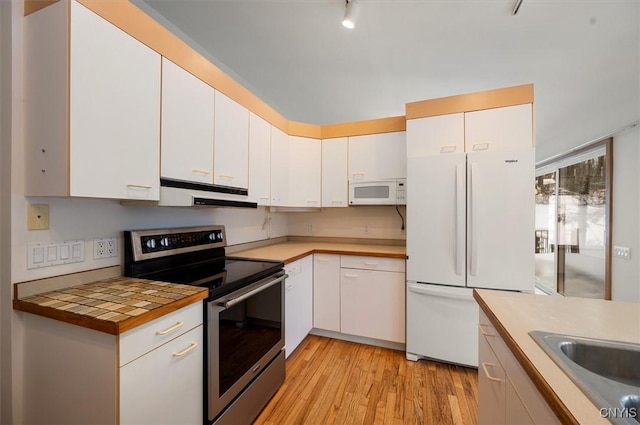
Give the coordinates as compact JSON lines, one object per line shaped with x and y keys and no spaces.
{"x":310,"y":228}
{"x":366,"y":228}
{"x":105,"y":248}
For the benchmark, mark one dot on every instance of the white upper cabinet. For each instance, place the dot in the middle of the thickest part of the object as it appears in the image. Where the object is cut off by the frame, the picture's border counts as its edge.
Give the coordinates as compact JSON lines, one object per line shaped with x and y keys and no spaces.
{"x":259,"y":160}
{"x":231,"y":142}
{"x":510,"y":127}
{"x":295,"y":170}
{"x":378,"y":156}
{"x":335,"y":185}
{"x":187,"y":125}
{"x":435,"y":135}
{"x":107,"y":143}
{"x":304,"y":172}
{"x":279,"y":167}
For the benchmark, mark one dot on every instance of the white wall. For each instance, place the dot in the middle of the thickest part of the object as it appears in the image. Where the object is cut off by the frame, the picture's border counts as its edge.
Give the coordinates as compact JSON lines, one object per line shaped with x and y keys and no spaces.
{"x":625,"y":274}
{"x":87,"y":219}
{"x":383,"y":223}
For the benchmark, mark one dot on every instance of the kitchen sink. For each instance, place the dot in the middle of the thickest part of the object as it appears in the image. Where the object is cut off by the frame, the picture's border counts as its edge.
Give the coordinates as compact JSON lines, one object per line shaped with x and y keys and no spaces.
{"x":608,"y":372}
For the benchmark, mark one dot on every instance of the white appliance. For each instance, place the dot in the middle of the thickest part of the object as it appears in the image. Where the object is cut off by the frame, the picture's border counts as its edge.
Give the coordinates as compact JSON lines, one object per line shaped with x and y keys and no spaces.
{"x":378,"y":192}
{"x":470,"y":225}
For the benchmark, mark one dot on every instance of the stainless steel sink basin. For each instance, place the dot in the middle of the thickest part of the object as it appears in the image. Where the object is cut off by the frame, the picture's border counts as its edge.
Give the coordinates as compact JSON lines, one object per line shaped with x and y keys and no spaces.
{"x":608,"y":372}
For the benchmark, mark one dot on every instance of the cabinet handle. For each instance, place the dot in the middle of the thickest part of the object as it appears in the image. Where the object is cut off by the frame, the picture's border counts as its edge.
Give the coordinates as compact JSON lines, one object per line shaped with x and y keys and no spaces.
{"x":292,"y":270}
{"x":171,"y":329}
{"x":336,"y":202}
{"x":225,"y":176}
{"x":350,"y":275}
{"x":322,"y":260}
{"x":288,"y":288}
{"x":370,"y":263}
{"x":486,"y":372}
{"x":312,"y":203}
{"x":186,"y":350}
{"x":358,"y":176}
{"x":205,"y":172}
{"x":483,"y":332}
{"x":140,"y":186}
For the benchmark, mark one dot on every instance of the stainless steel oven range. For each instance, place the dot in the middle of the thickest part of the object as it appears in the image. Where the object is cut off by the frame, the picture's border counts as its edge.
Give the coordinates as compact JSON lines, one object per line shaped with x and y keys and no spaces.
{"x":244,"y":314}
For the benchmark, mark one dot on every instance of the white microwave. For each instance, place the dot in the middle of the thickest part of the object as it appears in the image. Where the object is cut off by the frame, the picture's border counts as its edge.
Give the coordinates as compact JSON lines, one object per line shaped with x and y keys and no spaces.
{"x":378,"y":192}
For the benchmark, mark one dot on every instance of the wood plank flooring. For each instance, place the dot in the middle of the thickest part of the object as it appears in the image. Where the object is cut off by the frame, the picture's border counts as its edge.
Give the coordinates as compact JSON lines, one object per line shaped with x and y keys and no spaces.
{"x":337,"y":382}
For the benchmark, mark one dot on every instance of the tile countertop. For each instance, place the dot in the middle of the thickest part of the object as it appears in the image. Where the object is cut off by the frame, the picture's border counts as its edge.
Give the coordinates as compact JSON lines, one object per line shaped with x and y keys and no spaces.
{"x":288,"y":252}
{"x":514,"y":315}
{"x":113,"y":305}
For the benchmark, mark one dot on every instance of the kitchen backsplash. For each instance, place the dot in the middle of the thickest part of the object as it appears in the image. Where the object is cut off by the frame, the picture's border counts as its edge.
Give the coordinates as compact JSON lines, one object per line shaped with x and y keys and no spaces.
{"x":369,"y":222}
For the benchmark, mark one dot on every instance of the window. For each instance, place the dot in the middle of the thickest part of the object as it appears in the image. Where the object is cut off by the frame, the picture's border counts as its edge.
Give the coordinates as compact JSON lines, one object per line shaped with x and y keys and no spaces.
{"x":573,"y":228}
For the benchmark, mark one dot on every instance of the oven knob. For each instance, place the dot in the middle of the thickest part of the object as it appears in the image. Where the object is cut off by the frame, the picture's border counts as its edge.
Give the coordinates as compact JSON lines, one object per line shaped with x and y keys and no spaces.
{"x":212,"y":237}
{"x":164,"y":242}
{"x":151,"y":243}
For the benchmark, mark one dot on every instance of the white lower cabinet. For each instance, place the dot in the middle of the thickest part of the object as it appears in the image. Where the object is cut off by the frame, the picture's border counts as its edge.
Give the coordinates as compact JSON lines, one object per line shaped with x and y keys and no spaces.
{"x":360,"y":296}
{"x":152,"y":374}
{"x":372,"y":304}
{"x":326,"y":292}
{"x":298,"y":302}
{"x":165,"y":385}
{"x":505,"y":393}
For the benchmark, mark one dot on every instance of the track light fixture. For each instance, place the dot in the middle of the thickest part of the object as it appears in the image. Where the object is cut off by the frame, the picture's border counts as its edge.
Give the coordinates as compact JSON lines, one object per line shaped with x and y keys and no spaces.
{"x":350,"y":14}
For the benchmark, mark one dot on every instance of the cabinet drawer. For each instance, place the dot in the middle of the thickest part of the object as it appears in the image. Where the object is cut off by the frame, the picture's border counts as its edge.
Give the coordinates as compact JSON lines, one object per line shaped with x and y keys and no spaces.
{"x":372,"y":263}
{"x":493,"y":339}
{"x":293,"y":269}
{"x":144,"y":338}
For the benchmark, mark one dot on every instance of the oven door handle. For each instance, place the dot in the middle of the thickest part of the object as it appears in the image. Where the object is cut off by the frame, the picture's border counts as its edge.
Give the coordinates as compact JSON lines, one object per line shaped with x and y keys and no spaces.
{"x":226,"y":303}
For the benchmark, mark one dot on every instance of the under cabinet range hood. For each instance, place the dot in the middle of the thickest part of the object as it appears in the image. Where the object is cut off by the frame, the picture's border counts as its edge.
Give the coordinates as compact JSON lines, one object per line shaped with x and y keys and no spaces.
{"x":180,"y":193}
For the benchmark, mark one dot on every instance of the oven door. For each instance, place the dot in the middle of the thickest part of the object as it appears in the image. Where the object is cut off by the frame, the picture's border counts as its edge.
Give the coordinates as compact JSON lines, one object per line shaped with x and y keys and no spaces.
{"x":245,"y":332}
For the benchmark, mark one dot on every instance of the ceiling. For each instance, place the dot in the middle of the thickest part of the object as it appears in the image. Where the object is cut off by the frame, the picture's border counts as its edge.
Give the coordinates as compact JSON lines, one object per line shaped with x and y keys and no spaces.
{"x":583,"y":57}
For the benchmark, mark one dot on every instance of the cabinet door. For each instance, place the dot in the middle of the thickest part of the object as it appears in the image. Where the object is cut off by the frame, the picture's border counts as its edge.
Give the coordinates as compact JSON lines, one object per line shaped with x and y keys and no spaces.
{"x":378,"y":156}
{"x":298,"y":302}
{"x":372,"y":304}
{"x":187,"y":125}
{"x":510,"y":127}
{"x":231,"y":143}
{"x":259,"y":160}
{"x":114,"y":106}
{"x":304,"y":172}
{"x":326,"y":292}
{"x":515,"y":410}
{"x":279,"y":167}
{"x":491,"y":386}
{"x":335,"y":185}
{"x":165,"y":386}
{"x":435,"y":135}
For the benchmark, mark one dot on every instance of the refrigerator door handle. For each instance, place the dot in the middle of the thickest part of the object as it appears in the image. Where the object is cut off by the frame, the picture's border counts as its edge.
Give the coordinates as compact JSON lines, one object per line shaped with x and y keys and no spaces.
{"x":473,"y":225}
{"x":460,"y":211}
{"x":438,"y":291}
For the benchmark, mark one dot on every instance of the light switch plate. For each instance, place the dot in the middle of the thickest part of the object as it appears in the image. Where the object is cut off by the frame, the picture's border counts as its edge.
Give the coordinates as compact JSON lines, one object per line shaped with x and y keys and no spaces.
{"x":622,"y":252}
{"x":46,"y":254}
{"x":37,"y":216}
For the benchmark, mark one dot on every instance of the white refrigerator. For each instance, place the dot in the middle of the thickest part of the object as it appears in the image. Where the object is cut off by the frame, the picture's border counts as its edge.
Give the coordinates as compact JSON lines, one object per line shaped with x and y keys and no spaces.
{"x":470,"y":224}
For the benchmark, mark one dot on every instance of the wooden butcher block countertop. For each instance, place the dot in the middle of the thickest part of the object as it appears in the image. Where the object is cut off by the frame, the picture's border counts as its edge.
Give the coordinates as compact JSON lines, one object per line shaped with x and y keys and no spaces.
{"x":113,"y":305}
{"x":514,"y":315}
{"x":288,"y":252}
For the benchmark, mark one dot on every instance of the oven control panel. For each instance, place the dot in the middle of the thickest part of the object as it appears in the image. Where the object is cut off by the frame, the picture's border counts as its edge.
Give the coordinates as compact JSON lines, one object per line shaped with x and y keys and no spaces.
{"x":155,"y":243}
{"x":164,"y":242}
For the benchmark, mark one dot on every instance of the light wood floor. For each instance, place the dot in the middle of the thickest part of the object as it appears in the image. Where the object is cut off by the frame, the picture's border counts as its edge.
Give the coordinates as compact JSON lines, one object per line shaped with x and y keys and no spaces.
{"x":337,"y":382}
